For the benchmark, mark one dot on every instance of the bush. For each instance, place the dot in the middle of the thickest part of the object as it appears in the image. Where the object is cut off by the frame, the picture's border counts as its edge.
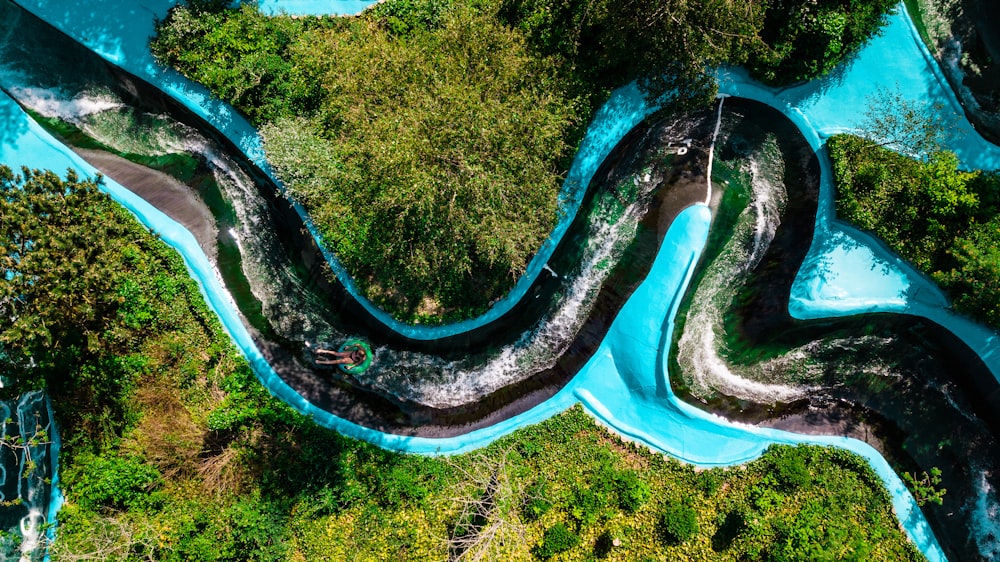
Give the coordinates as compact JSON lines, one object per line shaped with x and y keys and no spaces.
{"x":537,"y":503}
{"x":557,"y":539}
{"x":679,"y":523}
{"x":115,"y":482}
{"x":803,"y":40}
{"x":399,"y":485}
{"x":633,"y":492}
{"x":587,"y":506}
{"x":790,"y":467}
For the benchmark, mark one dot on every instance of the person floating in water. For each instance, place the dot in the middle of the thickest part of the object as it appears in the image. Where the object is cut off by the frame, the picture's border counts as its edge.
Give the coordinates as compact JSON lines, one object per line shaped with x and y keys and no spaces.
{"x":350,"y":355}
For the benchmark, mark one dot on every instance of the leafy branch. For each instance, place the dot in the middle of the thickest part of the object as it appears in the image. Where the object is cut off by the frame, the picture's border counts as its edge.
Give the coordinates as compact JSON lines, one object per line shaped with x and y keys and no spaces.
{"x":925,"y":487}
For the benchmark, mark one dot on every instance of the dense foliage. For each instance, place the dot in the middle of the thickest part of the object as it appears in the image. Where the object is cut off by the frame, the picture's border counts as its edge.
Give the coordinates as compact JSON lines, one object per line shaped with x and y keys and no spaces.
{"x":83,"y":288}
{"x":430,"y":156}
{"x":680,"y":523}
{"x":443,"y":181}
{"x":944,"y":220}
{"x":428,"y":138}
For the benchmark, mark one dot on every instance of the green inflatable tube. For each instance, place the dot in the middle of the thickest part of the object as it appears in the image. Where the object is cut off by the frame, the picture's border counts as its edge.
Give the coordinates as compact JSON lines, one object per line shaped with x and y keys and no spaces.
{"x":363,"y":366}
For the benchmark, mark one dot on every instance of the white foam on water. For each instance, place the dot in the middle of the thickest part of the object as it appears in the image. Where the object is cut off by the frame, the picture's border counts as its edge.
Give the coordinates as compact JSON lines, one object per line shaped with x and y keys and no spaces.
{"x":711,"y":151}
{"x":31,"y":533}
{"x":700,"y":352}
{"x":985,"y":516}
{"x":271,"y":277}
{"x":438,"y":383}
{"x":54,"y":103}
{"x":535,"y":350}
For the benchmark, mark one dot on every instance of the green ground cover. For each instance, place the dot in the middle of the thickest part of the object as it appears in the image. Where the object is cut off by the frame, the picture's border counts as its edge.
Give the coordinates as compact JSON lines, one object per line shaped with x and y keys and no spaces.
{"x":943,"y":220}
{"x":174,"y":451}
{"x":428,"y":138}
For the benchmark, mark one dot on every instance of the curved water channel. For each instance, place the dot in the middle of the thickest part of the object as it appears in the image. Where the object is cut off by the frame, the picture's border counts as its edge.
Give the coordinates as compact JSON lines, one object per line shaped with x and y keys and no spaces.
{"x":595,"y":326}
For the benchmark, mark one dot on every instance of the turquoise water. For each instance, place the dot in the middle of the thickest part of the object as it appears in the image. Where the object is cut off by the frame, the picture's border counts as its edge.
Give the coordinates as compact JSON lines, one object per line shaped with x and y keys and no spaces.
{"x":625,"y":384}
{"x":313,"y":7}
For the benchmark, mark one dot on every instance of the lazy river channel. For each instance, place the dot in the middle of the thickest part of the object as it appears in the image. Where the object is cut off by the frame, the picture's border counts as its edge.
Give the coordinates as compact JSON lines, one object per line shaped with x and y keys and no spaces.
{"x":596,"y":319}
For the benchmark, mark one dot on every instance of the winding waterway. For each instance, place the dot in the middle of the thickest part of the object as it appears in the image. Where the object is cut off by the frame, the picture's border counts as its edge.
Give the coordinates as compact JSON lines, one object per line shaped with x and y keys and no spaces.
{"x":591,"y":322}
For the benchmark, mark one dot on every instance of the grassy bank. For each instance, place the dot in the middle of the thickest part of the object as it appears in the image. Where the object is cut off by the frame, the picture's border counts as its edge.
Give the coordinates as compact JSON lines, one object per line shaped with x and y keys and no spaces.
{"x":428,"y":139}
{"x":943,"y":220}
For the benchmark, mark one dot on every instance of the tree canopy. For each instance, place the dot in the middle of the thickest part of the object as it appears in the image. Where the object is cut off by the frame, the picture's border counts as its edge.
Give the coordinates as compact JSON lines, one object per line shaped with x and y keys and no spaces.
{"x":60,"y":271}
{"x":89,"y":301}
{"x":435,"y":175}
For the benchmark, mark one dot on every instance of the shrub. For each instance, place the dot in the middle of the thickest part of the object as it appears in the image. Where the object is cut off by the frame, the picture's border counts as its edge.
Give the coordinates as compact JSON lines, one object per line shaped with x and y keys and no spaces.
{"x":710,"y":481}
{"x":633,"y":492}
{"x":537,"y":503}
{"x":938,"y":217}
{"x":557,"y":538}
{"x":679,"y":523}
{"x":115,"y":482}
{"x":790,"y":467}
{"x":399,"y":485}
{"x":587,"y":506}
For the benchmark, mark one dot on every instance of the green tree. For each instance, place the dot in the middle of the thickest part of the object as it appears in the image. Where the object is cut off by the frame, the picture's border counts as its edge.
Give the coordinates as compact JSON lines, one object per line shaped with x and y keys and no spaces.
{"x":435,"y":177}
{"x":935,"y":215}
{"x":557,"y":539}
{"x":907,"y":126}
{"x":428,"y":138}
{"x":59,"y":272}
{"x":974,"y":278}
{"x":805,"y":39}
{"x":679,"y":523}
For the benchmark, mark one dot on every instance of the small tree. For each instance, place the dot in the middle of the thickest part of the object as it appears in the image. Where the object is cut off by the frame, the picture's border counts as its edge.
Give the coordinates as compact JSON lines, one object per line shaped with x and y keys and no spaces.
{"x":679,"y":523}
{"x":907,"y":126}
{"x":557,"y":539}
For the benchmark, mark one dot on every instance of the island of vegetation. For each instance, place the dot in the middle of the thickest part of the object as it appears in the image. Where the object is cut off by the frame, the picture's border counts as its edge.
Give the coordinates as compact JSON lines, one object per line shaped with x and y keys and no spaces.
{"x":428,"y":139}
{"x":172,"y":450}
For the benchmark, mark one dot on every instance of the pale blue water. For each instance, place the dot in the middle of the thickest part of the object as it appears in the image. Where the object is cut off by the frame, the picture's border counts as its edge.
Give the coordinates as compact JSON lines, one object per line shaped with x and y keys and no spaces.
{"x":625,"y":384}
{"x":313,"y":7}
